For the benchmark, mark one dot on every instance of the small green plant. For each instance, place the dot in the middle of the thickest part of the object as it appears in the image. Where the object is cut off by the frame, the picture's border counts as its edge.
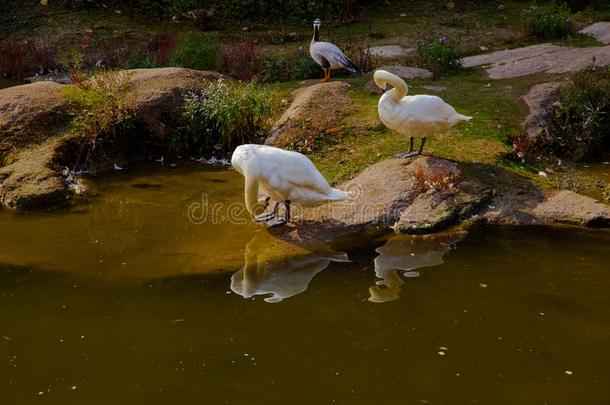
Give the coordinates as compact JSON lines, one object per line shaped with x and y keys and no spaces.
{"x":582,"y":117}
{"x":305,"y":68}
{"x":195,"y":50}
{"x":551,"y":22}
{"x":73,"y":60}
{"x":140,"y":61}
{"x":226,"y":114}
{"x":277,"y":70}
{"x":103,"y":107}
{"x":440,"y":56}
{"x":283,"y":69}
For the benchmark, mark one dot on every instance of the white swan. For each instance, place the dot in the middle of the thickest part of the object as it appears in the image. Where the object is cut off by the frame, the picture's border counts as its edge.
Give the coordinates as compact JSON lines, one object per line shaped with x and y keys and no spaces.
{"x":283,"y":176}
{"x":416,"y":116}
{"x":328,"y":55}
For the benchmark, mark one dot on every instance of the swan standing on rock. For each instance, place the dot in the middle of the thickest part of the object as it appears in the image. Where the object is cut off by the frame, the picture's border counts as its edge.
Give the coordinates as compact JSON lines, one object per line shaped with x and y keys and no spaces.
{"x":282,"y":176}
{"x":416,"y":116}
{"x":328,"y":55}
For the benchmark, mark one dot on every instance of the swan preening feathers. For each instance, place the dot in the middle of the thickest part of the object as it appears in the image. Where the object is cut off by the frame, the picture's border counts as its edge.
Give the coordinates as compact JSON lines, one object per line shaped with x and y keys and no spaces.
{"x":328,"y":55}
{"x":414,"y":116}
{"x":282,"y":176}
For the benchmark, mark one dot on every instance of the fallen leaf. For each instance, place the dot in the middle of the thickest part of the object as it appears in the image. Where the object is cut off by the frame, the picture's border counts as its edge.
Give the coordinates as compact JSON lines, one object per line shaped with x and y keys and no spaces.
{"x":44,"y":2}
{"x":450,"y":5}
{"x":334,"y":130}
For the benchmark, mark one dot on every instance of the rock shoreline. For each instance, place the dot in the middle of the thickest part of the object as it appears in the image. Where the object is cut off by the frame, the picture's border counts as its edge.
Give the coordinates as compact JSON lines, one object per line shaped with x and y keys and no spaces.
{"x":397,"y":204}
{"x":391,"y":194}
{"x":34,"y":131}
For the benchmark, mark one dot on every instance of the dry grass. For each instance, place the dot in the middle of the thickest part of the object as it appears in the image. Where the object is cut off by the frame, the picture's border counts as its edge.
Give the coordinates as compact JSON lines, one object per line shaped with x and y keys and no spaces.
{"x":440,"y":180}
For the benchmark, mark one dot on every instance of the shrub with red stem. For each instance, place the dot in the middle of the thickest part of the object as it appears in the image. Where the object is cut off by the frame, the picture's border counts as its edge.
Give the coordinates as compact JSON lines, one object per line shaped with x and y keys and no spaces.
{"x":159,"y":47}
{"x":241,"y":59}
{"x":433,"y":181}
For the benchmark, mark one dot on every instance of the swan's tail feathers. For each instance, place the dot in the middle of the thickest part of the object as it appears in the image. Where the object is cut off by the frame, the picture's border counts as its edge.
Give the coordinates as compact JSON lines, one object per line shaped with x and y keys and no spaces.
{"x":464,"y":117}
{"x":338,"y":195}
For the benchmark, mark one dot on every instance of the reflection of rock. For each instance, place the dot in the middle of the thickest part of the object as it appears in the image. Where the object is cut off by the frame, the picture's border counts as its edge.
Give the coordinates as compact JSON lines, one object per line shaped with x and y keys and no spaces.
{"x":278,"y":268}
{"x":408,"y":253}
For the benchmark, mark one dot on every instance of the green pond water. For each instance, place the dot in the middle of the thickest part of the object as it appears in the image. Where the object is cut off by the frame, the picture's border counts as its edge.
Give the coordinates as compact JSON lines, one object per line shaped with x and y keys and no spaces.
{"x":143,"y":297}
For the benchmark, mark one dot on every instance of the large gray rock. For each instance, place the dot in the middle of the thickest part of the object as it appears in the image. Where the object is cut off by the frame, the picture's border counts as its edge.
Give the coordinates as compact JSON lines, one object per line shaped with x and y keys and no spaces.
{"x":315,"y":110}
{"x":540,"y":99}
{"x":543,"y":58}
{"x":434,"y":211}
{"x":160,"y":94}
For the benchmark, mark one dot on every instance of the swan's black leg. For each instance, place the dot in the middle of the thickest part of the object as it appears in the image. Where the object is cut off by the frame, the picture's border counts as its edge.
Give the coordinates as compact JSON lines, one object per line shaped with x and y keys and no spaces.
{"x":421,"y":147}
{"x":287,"y":205}
{"x":411,"y":153}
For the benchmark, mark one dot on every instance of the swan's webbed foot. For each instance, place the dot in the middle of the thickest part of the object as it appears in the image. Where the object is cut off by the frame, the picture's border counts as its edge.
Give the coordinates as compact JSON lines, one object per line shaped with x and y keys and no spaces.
{"x":264,"y":217}
{"x":405,"y":155}
{"x":276,"y":221}
{"x":272,"y":220}
{"x":267,"y":216}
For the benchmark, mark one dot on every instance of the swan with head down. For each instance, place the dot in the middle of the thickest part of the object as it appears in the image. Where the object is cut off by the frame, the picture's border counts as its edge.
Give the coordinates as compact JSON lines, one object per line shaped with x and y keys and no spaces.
{"x":414,"y":116}
{"x":283,"y":176}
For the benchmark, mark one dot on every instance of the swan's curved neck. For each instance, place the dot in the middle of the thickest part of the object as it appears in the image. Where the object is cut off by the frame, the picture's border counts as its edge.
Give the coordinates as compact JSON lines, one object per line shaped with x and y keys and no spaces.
{"x":400,"y":86}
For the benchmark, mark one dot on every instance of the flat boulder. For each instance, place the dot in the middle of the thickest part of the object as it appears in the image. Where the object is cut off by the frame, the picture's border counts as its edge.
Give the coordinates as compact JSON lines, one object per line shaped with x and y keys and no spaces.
{"x":32,"y":181}
{"x":29,"y":114}
{"x":315,"y":110}
{"x":390,"y":51}
{"x":37,"y":104}
{"x":543,"y":58}
{"x":568,"y":207}
{"x":599,"y":30}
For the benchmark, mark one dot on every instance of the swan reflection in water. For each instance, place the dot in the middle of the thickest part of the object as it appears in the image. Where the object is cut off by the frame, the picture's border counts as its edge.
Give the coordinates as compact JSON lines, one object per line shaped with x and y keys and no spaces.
{"x":406,"y":253}
{"x":278,"y":268}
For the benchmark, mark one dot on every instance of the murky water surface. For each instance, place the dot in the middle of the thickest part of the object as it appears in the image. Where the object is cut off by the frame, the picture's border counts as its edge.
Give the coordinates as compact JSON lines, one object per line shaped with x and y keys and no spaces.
{"x":144,"y":297}
{"x":4,"y":83}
